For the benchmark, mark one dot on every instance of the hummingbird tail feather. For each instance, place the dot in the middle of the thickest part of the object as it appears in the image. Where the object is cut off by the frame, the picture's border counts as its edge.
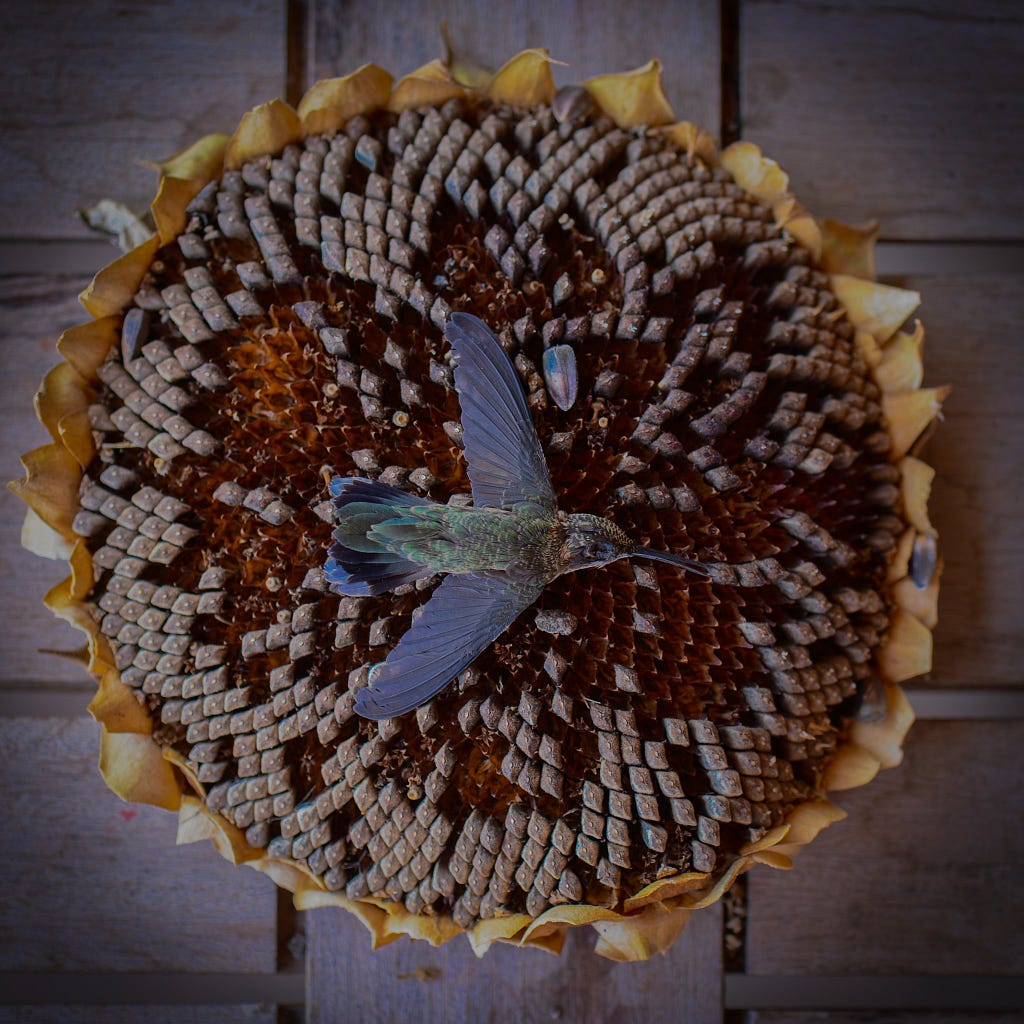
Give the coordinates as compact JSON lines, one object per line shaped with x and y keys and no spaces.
{"x":359,"y":564}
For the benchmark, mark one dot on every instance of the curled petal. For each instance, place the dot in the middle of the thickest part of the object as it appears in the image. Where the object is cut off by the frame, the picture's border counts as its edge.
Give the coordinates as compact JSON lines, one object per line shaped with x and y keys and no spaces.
{"x":42,"y":539}
{"x":876,"y":308}
{"x":922,"y":603}
{"x":86,"y":345}
{"x":265,"y":129}
{"x":430,"y":85}
{"x":665,"y":889}
{"x":172,"y":198}
{"x":113,"y":287}
{"x":135,"y":769}
{"x":907,"y":649}
{"x":849,"y":248}
{"x":196,"y":822}
{"x":116,"y":707}
{"x":900,"y":367}
{"x":771,"y":838}
{"x":556,"y":917}
{"x":915,"y":487}
{"x":851,"y":767}
{"x":692,"y":140}
{"x":805,"y":822}
{"x":373,"y":918}
{"x":762,"y":177}
{"x":632,"y":98}
{"x":640,"y":936}
{"x":202,"y":161}
{"x":524,"y":80}
{"x":498,"y":929}
{"x":884,"y":739}
{"x":772,"y":859}
{"x":909,"y":414}
{"x":64,"y":391}
{"x":400,"y":921}
{"x":50,"y":486}
{"x":333,"y":101}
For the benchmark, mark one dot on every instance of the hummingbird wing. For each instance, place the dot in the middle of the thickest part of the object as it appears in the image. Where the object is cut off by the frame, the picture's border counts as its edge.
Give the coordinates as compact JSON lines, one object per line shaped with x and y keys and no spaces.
{"x":463,"y":616}
{"x":505,"y":460}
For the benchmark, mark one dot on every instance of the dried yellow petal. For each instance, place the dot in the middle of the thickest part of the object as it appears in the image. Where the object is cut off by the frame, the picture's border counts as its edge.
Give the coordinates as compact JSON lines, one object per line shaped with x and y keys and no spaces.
{"x":116,"y":707}
{"x":333,"y":101}
{"x":879,"y":309}
{"x":909,"y":414}
{"x":497,"y":929}
{"x":42,"y":539}
{"x":849,"y":248}
{"x":692,"y":140}
{"x":915,"y":488}
{"x":632,"y":98}
{"x":805,"y":822}
{"x":884,"y":739}
{"x":202,"y":161}
{"x":852,"y":766}
{"x":430,"y":85}
{"x":50,"y":486}
{"x":373,"y":918}
{"x":640,"y":936}
{"x":907,"y":650}
{"x":762,"y":177}
{"x":113,"y":287}
{"x":134,"y":768}
{"x":265,"y":129}
{"x":524,"y":80}
{"x":172,"y":198}
{"x":922,"y":603}
{"x":900,"y":367}
{"x":665,"y":889}
{"x":86,"y":345}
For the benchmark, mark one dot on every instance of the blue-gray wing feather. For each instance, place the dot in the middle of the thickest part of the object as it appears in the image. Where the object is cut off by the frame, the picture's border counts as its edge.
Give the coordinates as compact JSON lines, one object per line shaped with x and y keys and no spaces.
{"x":463,"y":616}
{"x":503,"y":453}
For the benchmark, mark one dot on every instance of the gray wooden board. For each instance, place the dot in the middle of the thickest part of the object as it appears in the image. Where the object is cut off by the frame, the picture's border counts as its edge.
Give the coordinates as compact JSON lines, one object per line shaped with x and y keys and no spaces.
{"x":973,"y":341}
{"x":923,"y":877}
{"x":909,"y":110}
{"x":33,"y":312}
{"x":592,"y":36}
{"x":137,"y":1014}
{"x":88,"y":92}
{"x":92,"y":883}
{"x":884,"y":1017}
{"x":347,"y":981}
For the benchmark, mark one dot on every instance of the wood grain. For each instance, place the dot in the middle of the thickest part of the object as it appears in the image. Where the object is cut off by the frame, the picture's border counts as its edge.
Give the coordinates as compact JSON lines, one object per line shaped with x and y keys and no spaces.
{"x":88,"y":92}
{"x":591,"y":36}
{"x":33,"y":312}
{"x":883,"y":1017}
{"x":910,"y":110}
{"x":138,"y":1014}
{"x":92,"y":883}
{"x":922,"y":878}
{"x":346,"y":981}
{"x":974,"y":327}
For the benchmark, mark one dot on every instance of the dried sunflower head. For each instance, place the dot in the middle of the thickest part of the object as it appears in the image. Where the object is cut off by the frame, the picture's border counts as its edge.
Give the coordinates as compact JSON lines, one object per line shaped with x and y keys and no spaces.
{"x":705,"y":365}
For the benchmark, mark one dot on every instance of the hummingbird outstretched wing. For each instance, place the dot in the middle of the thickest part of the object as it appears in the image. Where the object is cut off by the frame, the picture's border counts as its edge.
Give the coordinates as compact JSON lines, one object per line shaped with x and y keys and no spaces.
{"x":503,"y":453}
{"x":463,"y":616}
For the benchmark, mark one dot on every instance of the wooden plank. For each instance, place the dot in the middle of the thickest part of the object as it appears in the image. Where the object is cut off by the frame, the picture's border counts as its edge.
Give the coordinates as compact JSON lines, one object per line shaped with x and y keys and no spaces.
{"x":974,"y":329}
{"x":88,"y":93}
{"x":96,"y":884}
{"x":883,"y":1017}
{"x":33,"y":312}
{"x":592,"y":36}
{"x":922,"y":878}
{"x":413,"y":981}
{"x":137,"y":1014}
{"x":906,"y":110}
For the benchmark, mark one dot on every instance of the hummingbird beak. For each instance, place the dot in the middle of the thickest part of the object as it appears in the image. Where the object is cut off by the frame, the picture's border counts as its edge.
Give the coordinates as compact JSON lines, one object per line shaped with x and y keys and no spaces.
{"x":677,"y":560}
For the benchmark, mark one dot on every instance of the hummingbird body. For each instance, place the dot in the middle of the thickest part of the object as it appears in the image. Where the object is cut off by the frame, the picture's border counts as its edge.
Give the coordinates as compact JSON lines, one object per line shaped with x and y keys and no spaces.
{"x":496,"y":556}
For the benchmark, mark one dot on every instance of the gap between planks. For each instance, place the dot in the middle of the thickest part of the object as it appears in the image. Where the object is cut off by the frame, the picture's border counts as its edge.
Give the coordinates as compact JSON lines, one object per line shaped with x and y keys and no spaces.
{"x":928,"y":705}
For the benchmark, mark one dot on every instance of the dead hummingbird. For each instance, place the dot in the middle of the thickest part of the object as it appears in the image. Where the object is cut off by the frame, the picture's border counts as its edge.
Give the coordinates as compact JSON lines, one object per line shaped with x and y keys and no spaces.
{"x":498,"y":554}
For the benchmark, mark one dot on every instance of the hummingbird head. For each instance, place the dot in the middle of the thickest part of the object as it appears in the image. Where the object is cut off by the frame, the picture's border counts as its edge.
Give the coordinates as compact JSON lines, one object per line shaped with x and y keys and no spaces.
{"x":592,"y":541}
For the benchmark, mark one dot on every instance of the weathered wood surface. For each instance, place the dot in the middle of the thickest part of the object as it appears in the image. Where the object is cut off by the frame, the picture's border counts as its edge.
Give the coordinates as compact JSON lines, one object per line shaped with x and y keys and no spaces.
{"x":88,"y":92}
{"x":592,"y":36}
{"x":911,"y":112}
{"x":92,"y":883}
{"x":408,"y":981}
{"x":974,"y":327}
{"x":923,"y":877}
{"x":33,"y":312}
{"x":79,"y":1014}
{"x":883,"y":1017}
